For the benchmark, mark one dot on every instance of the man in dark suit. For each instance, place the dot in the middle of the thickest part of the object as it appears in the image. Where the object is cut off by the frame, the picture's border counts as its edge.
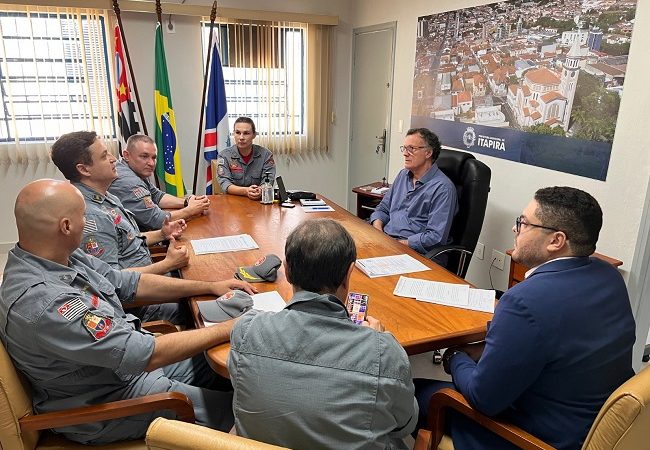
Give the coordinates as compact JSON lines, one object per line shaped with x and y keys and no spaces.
{"x":560,"y":341}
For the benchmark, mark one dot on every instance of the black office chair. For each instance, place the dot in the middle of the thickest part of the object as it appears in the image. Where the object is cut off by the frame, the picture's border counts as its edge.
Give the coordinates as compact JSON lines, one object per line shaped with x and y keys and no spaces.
{"x":472,"y":180}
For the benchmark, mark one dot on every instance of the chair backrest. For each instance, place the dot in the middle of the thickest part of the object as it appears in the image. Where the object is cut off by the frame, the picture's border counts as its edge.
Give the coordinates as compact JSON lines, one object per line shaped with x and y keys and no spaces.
{"x":624,"y":420}
{"x":15,"y":403}
{"x":165,"y":434}
{"x":472,"y":180}
{"x":216,"y":187}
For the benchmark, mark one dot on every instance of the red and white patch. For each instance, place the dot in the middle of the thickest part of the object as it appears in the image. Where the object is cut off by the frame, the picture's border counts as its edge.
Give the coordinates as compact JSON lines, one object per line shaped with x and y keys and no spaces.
{"x":260,"y":261}
{"x":227,"y":296}
{"x":72,"y":308}
{"x":93,"y":248}
{"x":98,"y":326}
{"x":234,"y":167}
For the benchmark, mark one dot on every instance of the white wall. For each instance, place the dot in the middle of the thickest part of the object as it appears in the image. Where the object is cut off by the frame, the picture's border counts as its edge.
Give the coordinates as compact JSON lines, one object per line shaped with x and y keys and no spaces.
{"x":622,"y":195}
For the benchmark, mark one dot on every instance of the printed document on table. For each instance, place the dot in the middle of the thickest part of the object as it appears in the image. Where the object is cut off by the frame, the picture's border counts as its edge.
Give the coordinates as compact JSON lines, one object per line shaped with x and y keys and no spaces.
{"x":433,"y":291}
{"x":481,"y":300}
{"x":223,"y":244}
{"x":389,"y":265}
{"x":447,"y":294}
{"x":477,"y":300}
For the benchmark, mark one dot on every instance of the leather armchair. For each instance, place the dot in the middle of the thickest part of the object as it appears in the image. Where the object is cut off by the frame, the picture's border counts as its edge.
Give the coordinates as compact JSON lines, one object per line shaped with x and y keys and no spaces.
{"x":472,"y":180}
{"x":165,"y":434}
{"x":21,"y":429}
{"x":621,"y":424}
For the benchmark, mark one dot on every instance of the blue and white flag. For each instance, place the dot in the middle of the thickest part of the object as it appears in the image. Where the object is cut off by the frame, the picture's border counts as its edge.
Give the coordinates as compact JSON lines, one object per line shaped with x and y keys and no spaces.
{"x":216,"y":134}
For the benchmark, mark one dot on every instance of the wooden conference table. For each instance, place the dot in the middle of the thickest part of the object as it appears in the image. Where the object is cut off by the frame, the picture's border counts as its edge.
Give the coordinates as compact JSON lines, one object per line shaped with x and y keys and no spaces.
{"x":418,"y":326}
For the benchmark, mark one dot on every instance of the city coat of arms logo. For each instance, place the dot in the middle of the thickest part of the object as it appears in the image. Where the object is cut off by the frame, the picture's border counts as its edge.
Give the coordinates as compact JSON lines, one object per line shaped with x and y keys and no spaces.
{"x":469,"y":137}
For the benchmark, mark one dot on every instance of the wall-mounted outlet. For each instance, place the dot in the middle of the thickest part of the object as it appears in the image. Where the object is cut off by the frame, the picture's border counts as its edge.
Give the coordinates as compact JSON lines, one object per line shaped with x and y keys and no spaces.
{"x":498,"y":259}
{"x":479,"y":251}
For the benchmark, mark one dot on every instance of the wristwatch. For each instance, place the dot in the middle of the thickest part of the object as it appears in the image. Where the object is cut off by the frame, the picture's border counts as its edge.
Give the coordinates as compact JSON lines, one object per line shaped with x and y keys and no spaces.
{"x":446,"y":358}
{"x":186,"y":201}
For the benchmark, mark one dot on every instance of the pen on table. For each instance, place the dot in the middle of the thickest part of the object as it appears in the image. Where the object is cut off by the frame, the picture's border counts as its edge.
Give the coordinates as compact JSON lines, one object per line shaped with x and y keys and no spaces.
{"x":320,"y":208}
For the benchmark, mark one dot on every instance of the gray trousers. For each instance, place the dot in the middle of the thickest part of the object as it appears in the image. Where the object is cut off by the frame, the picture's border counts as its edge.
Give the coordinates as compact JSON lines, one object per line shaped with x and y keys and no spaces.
{"x":211,"y":396}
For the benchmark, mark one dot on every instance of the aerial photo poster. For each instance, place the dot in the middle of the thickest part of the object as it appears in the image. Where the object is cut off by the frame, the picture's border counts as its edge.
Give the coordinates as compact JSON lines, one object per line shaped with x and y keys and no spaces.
{"x":537,"y":82}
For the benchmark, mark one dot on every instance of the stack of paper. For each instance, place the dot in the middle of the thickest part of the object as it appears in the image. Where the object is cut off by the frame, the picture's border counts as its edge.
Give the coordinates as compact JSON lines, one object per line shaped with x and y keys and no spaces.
{"x":318,"y":208}
{"x":458,"y":295}
{"x":380,"y":190}
{"x":389,"y":265}
{"x":310,"y":202}
{"x":223,"y":244}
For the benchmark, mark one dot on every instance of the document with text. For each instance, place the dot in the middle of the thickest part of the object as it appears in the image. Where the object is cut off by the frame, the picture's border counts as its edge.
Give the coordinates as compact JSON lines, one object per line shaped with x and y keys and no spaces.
{"x":433,"y":291}
{"x":223,"y":244}
{"x":448,"y":294}
{"x":383,"y":266}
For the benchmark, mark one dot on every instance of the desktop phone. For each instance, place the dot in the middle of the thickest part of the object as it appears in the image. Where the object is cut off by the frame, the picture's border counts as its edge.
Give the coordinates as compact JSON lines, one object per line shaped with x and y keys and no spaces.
{"x":285,"y":202}
{"x":357,"y":306}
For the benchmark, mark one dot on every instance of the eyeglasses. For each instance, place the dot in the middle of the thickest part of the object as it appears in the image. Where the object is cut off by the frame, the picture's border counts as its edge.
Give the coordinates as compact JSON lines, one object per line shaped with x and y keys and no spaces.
{"x":519,"y":222}
{"x":410,"y":149}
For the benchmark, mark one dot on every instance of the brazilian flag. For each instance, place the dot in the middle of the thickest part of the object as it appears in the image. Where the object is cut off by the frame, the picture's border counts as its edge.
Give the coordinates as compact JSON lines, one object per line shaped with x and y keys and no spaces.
{"x":168,"y":164}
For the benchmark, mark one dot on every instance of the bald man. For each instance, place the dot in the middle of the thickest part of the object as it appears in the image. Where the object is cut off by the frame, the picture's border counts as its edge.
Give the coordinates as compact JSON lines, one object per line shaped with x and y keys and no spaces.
{"x":111,"y":232}
{"x":62,"y":323}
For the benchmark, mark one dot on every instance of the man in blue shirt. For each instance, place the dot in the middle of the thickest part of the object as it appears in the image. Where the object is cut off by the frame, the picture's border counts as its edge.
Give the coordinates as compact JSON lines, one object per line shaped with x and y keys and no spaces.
{"x":419,"y":207}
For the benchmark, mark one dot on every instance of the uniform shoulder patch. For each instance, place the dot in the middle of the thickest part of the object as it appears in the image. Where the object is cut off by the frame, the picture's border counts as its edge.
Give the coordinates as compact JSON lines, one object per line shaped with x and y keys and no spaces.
{"x":93,"y":248}
{"x":72,"y":308}
{"x":221,"y":161}
{"x":140,"y":192}
{"x":90,"y":226}
{"x":98,"y":326}
{"x":148,"y":203}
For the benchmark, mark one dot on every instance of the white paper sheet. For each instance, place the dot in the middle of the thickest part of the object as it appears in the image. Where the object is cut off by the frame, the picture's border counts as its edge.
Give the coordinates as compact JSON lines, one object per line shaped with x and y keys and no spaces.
{"x":433,"y":291}
{"x":482,"y":300}
{"x":390,"y":265}
{"x":316,"y":202}
{"x":268,"y":301}
{"x":448,"y":294}
{"x":223,"y":244}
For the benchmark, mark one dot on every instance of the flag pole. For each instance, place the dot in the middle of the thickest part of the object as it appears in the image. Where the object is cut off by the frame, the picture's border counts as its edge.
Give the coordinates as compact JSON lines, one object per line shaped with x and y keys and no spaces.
{"x":213,"y":17}
{"x":116,"y":8}
{"x":159,"y":12}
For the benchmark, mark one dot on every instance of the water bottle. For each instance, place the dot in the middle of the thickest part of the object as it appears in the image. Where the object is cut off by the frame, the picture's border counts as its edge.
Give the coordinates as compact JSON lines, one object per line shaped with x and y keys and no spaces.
{"x":267,"y":190}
